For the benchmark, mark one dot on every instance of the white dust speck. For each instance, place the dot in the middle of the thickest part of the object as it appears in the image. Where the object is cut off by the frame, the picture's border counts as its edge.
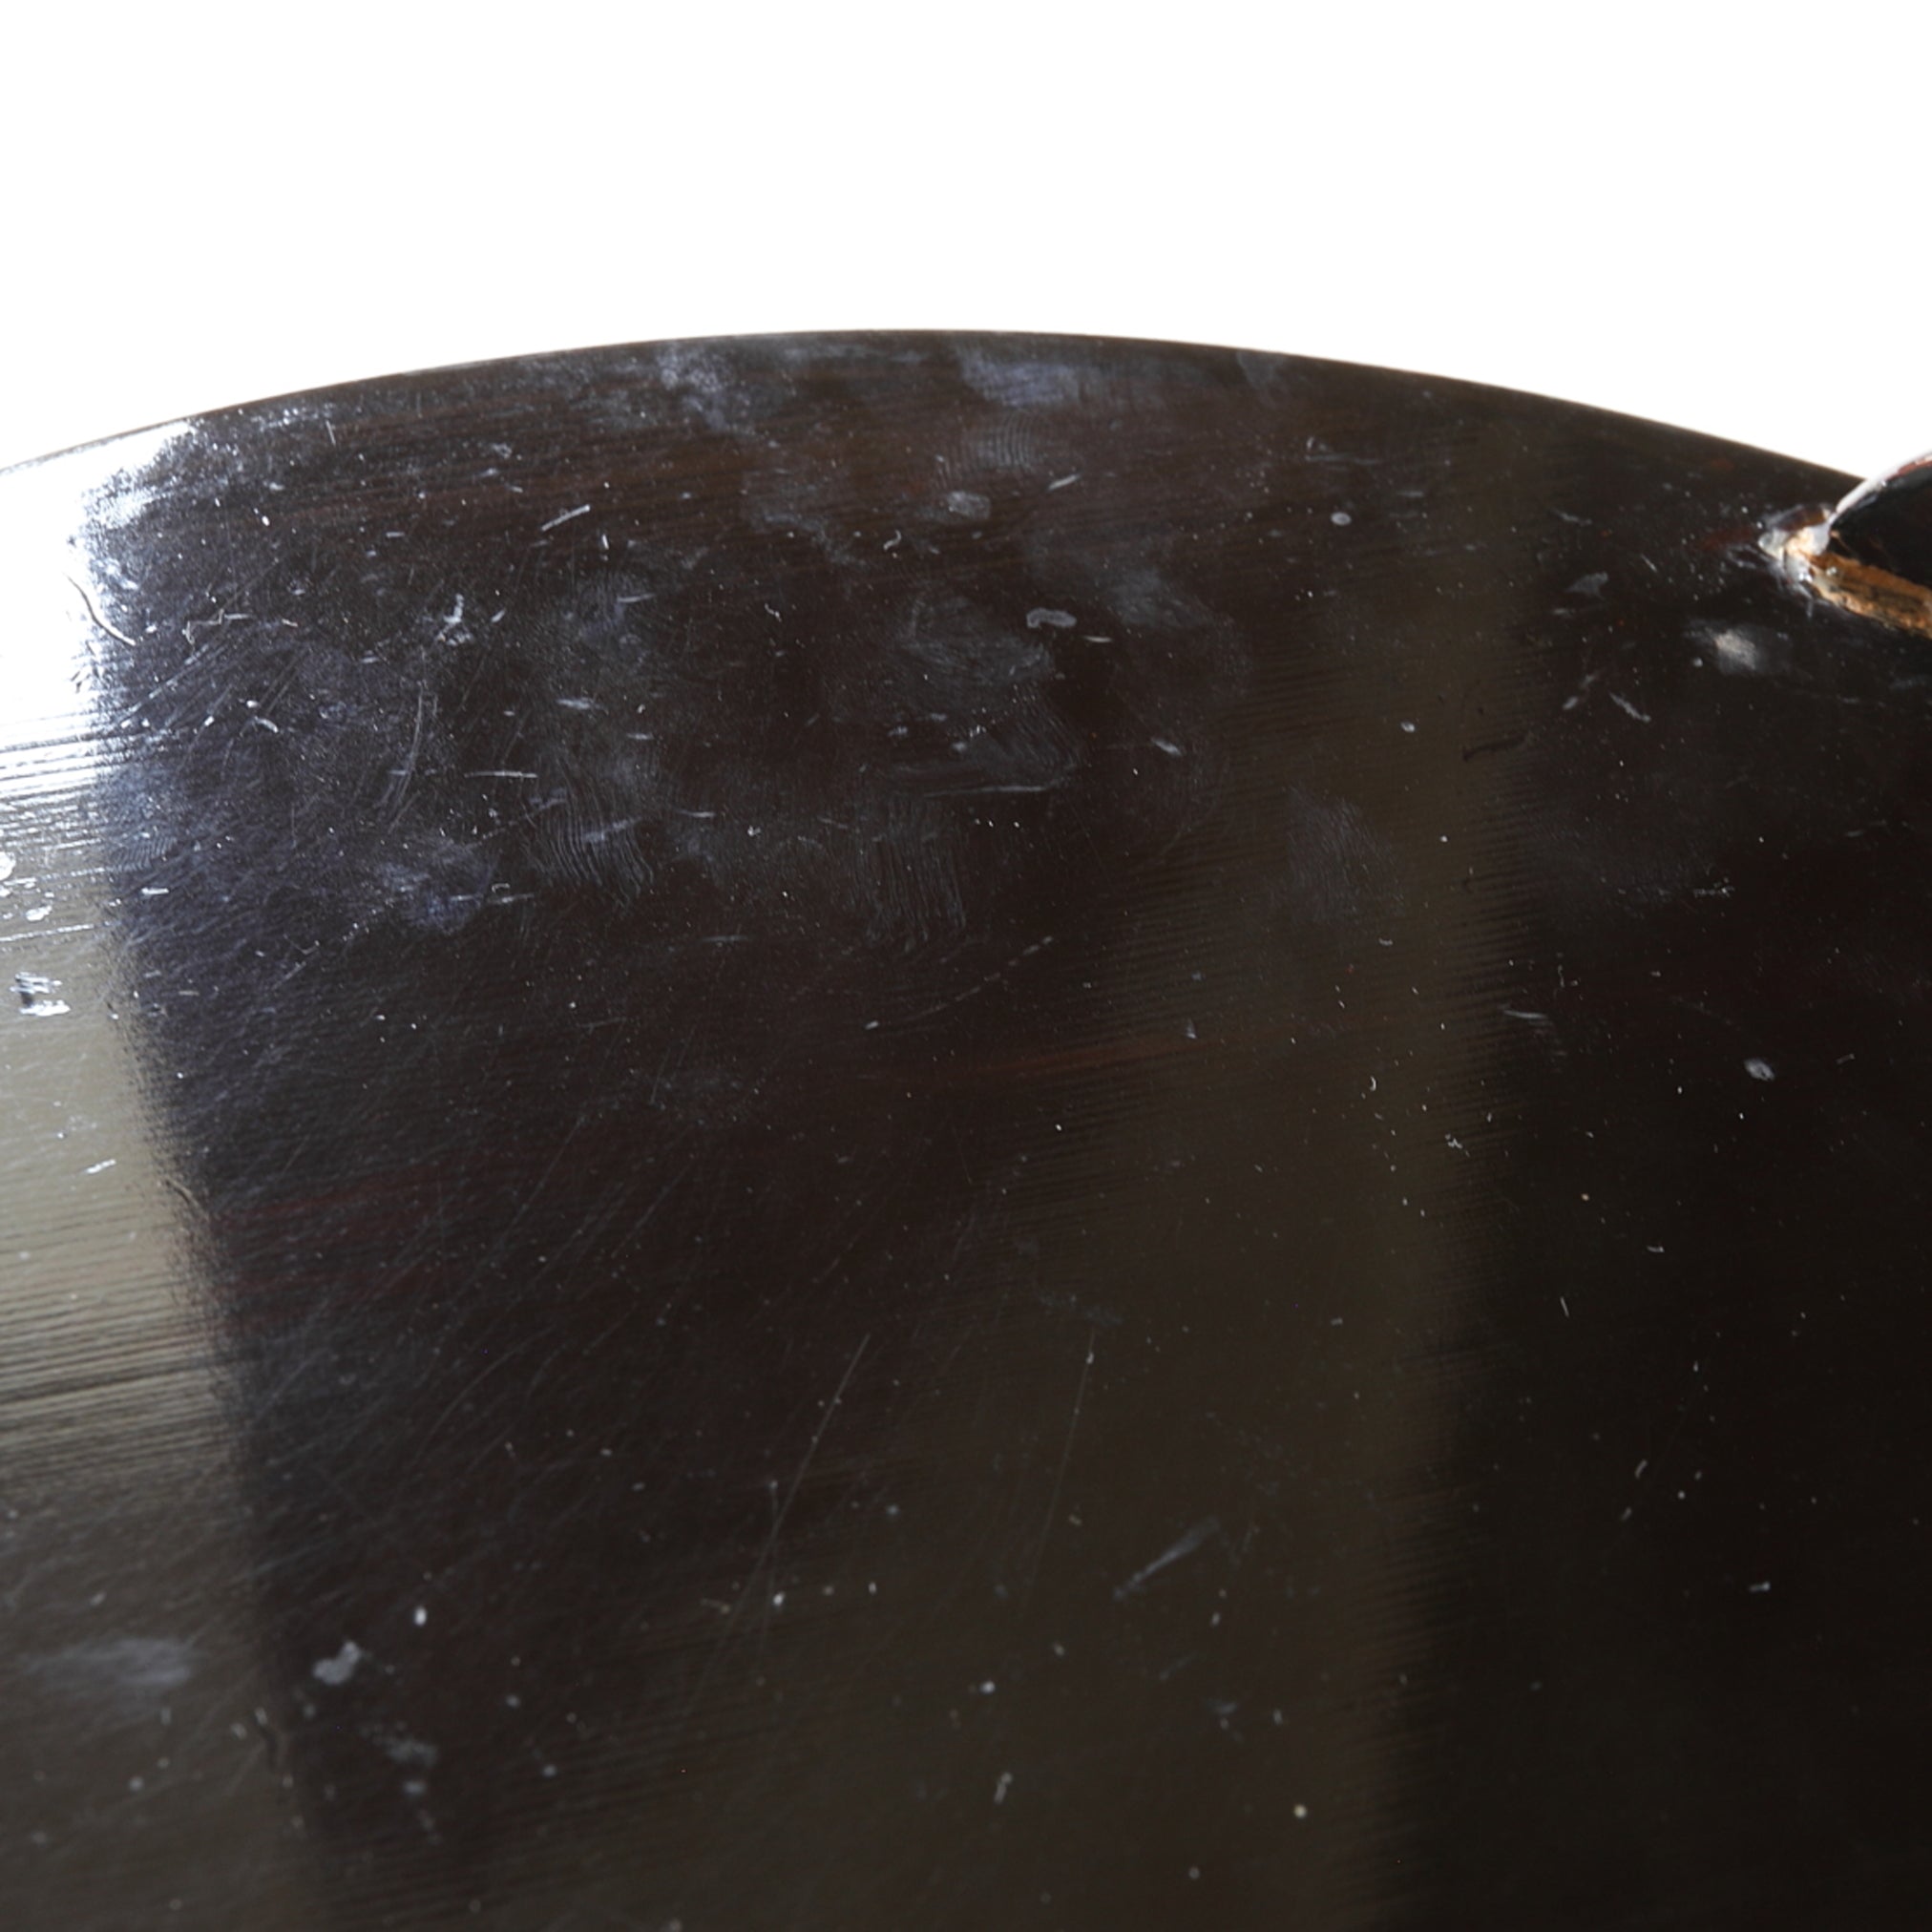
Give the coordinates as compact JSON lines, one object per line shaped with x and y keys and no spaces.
{"x":1058,"y":621}
{"x":1004,"y":1785}
{"x":341,"y":1668}
{"x":1628,"y":709}
{"x":5,"y":864}
{"x":1760,"y":1069}
{"x":1758,"y":1589}
{"x":37,"y":995}
{"x":99,"y":1168}
{"x":1340,"y":519}
{"x":419,"y":1616}
{"x":402,"y":1749}
{"x":581,"y":510}
{"x":1736,"y":652}
{"x":36,"y":913}
{"x":1409,"y":726}
{"x":969,"y":503}
{"x":1167,"y":745}
{"x":1301,"y":1811}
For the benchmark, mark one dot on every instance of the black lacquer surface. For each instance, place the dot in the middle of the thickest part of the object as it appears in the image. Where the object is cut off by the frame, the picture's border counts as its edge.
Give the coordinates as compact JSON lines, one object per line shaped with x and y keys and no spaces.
{"x":918,"y":1132}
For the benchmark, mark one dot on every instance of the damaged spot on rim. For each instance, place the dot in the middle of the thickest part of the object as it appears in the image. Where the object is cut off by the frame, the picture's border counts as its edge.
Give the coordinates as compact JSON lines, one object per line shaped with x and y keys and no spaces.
{"x":1872,"y":554}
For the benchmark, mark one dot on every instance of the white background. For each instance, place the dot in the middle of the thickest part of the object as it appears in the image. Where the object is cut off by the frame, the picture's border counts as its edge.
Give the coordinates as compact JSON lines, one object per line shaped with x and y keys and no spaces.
{"x":1714,"y":215}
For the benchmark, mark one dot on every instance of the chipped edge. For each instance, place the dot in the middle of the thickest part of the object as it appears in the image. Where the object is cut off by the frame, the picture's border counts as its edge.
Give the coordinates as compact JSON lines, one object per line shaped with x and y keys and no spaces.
{"x":1801,"y":549}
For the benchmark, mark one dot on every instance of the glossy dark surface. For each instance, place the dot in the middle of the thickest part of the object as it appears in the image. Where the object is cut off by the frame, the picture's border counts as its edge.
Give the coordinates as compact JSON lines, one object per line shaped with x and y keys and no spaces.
{"x":1887,"y":522}
{"x":937,"y":1133}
